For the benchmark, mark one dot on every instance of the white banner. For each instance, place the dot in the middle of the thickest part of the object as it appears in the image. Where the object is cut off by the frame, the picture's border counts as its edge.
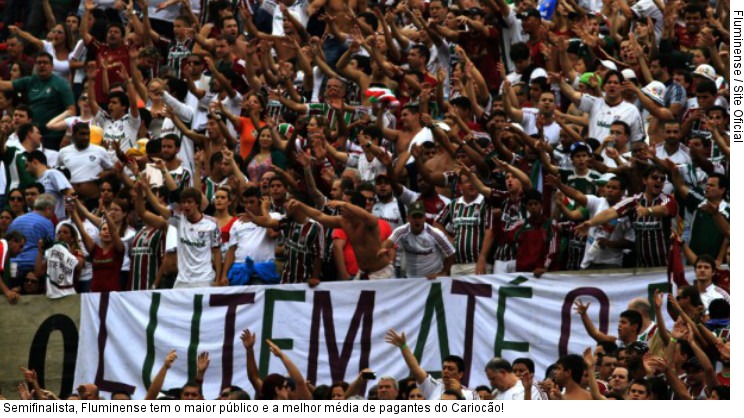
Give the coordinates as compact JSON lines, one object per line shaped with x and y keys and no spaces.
{"x":335,"y":330}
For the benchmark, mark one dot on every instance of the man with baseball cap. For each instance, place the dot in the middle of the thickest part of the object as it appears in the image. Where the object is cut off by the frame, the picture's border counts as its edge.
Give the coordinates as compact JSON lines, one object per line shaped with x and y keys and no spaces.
{"x":427,"y":251}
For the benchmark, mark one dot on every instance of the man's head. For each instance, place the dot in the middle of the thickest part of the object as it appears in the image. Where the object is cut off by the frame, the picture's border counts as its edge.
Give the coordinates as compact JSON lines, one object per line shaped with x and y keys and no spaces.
{"x":251,"y":200}
{"x":36,"y":163}
{"x":546,"y":103}
{"x":694,"y":15}
{"x":533,"y":202}
{"x":409,"y":116}
{"x":190,"y":200}
{"x":169,"y":147}
{"x":191,"y":392}
{"x":44,"y":67}
{"x":335,"y":89}
{"x":523,"y":365}
{"x":716,"y":187}
{"x":614,"y":190}
{"x":569,"y":368}
{"x":383,"y":190}
{"x":639,"y":390}
{"x":14,"y":46}
{"x":418,"y":57}
{"x":22,"y":114}
{"x":114,"y":35}
{"x":621,"y":131}
{"x":672,"y":131}
{"x":706,"y":93}
{"x":705,"y":269}
{"x":580,"y":153}
{"x":607,"y":364}
{"x":278,"y":190}
{"x":121,"y":395}
{"x":500,"y":374}
{"x":32,"y":192}
{"x":619,"y":380}
{"x":654,"y":180}
{"x":642,"y":306}
{"x":612,"y":84}
{"x":453,"y":367}
{"x":520,"y":55}
{"x":629,"y":326}
{"x":29,"y":134}
{"x":387,"y":388}
{"x":16,"y":240}
{"x":81,"y":135}
{"x":118,"y":104}
{"x":695,"y":372}
{"x":531,"y":20}
{"x":88,"y":392}
{"x":417,"y":217}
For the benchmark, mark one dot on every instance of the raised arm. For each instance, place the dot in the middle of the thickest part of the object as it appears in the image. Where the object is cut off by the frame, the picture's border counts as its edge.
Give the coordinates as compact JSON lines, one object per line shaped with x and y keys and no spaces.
{"x":399,"y":341}
{"x":249,"y":339}
{"x":303,"y":394}
{"x":36,"y":42}
{"x":593,"y":332}
{"x":157,"y":382}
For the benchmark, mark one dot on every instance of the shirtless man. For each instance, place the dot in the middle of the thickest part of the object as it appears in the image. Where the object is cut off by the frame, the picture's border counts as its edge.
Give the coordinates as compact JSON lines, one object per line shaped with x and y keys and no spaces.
{"x":412,"y":132}
{"x":363,"y":231}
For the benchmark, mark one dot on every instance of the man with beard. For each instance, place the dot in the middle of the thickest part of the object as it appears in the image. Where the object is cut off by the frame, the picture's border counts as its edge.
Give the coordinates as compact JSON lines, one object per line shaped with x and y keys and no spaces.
{"x":175,"y":175}
{"x":453,"y":370}
{"x":651,"y":213}
{"x":86,"y":162}
{"x":672,"y":148}
{"x":604,"y":111}
{"x":527,"y":117}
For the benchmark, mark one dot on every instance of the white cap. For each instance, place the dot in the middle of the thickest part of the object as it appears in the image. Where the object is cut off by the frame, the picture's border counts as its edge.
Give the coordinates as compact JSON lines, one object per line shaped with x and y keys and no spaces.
{"x":538,"y":72}
{"x":608,"y":64}
{"x":706,"y":71}
{"x":655,"y":90}
{"x":628,"y":74}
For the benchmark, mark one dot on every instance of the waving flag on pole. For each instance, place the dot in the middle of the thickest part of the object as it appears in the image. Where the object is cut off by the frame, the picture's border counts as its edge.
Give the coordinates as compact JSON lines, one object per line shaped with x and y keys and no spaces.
{"x":382,"y":95}
{"x":547,"y":8}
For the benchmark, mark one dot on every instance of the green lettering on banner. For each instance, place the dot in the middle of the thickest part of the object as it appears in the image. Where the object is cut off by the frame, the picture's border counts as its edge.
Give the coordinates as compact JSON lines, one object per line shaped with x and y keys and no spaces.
{"x":271,"y":297}
{"x":663,"y":287}
{"x":434,"y":305}
{"x":151,"y":326}
{"x":194,"y":342}
{"x":501,"y":345}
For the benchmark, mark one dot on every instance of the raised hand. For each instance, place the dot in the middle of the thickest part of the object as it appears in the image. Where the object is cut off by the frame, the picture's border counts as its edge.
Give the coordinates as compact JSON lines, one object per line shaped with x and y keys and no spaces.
{"x":169,"y":359}
{"x":392,"y":337}
{"x":202,"y":363}
{"x":580,"y":308}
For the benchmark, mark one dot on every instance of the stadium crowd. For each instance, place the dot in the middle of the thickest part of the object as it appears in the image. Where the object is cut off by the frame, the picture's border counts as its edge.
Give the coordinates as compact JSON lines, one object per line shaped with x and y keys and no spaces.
{"x":152,"y":144}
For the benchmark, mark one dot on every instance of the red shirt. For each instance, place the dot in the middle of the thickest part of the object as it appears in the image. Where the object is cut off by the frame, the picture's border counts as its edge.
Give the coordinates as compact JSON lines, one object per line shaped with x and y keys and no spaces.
{"x":103,"y":51}
{"x":349,"y":256}
{"x":106,"y":270}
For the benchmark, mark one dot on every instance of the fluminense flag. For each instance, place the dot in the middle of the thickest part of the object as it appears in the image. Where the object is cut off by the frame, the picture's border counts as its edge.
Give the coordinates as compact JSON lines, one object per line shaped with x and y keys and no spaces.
{"x":381,"y":95}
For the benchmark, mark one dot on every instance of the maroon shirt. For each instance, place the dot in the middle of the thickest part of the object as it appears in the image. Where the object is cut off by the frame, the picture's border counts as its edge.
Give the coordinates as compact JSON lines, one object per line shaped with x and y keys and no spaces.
{"x":102,"y":51}
{"x":106,"y":270}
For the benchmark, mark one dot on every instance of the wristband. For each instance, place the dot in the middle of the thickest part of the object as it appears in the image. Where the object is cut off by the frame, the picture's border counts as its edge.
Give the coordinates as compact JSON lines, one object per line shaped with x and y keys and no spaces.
{"x":672,"y":340}
{"x":403,"y":347}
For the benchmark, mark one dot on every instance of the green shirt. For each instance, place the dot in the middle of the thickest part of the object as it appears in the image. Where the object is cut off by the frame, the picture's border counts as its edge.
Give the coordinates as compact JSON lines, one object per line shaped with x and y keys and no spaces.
{"x":48,"y":97}
{"x":705,"y":236}
{"x":15,"y":169}
{"x":585,"y":184}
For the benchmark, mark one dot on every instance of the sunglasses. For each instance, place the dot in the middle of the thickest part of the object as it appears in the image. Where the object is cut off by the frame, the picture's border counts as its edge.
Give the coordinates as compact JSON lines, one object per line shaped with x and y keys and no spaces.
{"x":16,"y":198}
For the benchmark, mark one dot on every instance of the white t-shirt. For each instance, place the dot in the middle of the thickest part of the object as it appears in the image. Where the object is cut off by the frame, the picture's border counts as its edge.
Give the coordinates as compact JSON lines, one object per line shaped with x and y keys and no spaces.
{"x":516,"y":393}
{"x":252,"y":241}
{"x":424,"y":252}
{"x":552,"y":132}
{"x":602,"y":115}
{"x":389,"y":212}
{"x":298,"y":9}
{"x":86,"y":274}
{"x":60,"y":271}
{"x":55,"y":183}
{"x":368,"y":170}
{"x":434,"y":388}
{"x":195,"y":244}
{"x":84,"y":165}
{"x":124,"y":130}
{"x":614,"y":230}
{"x":59,"y":67}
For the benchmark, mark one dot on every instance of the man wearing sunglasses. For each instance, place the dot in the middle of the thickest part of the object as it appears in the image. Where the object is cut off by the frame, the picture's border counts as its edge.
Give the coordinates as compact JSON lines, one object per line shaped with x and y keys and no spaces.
{"x":651,"y":213}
